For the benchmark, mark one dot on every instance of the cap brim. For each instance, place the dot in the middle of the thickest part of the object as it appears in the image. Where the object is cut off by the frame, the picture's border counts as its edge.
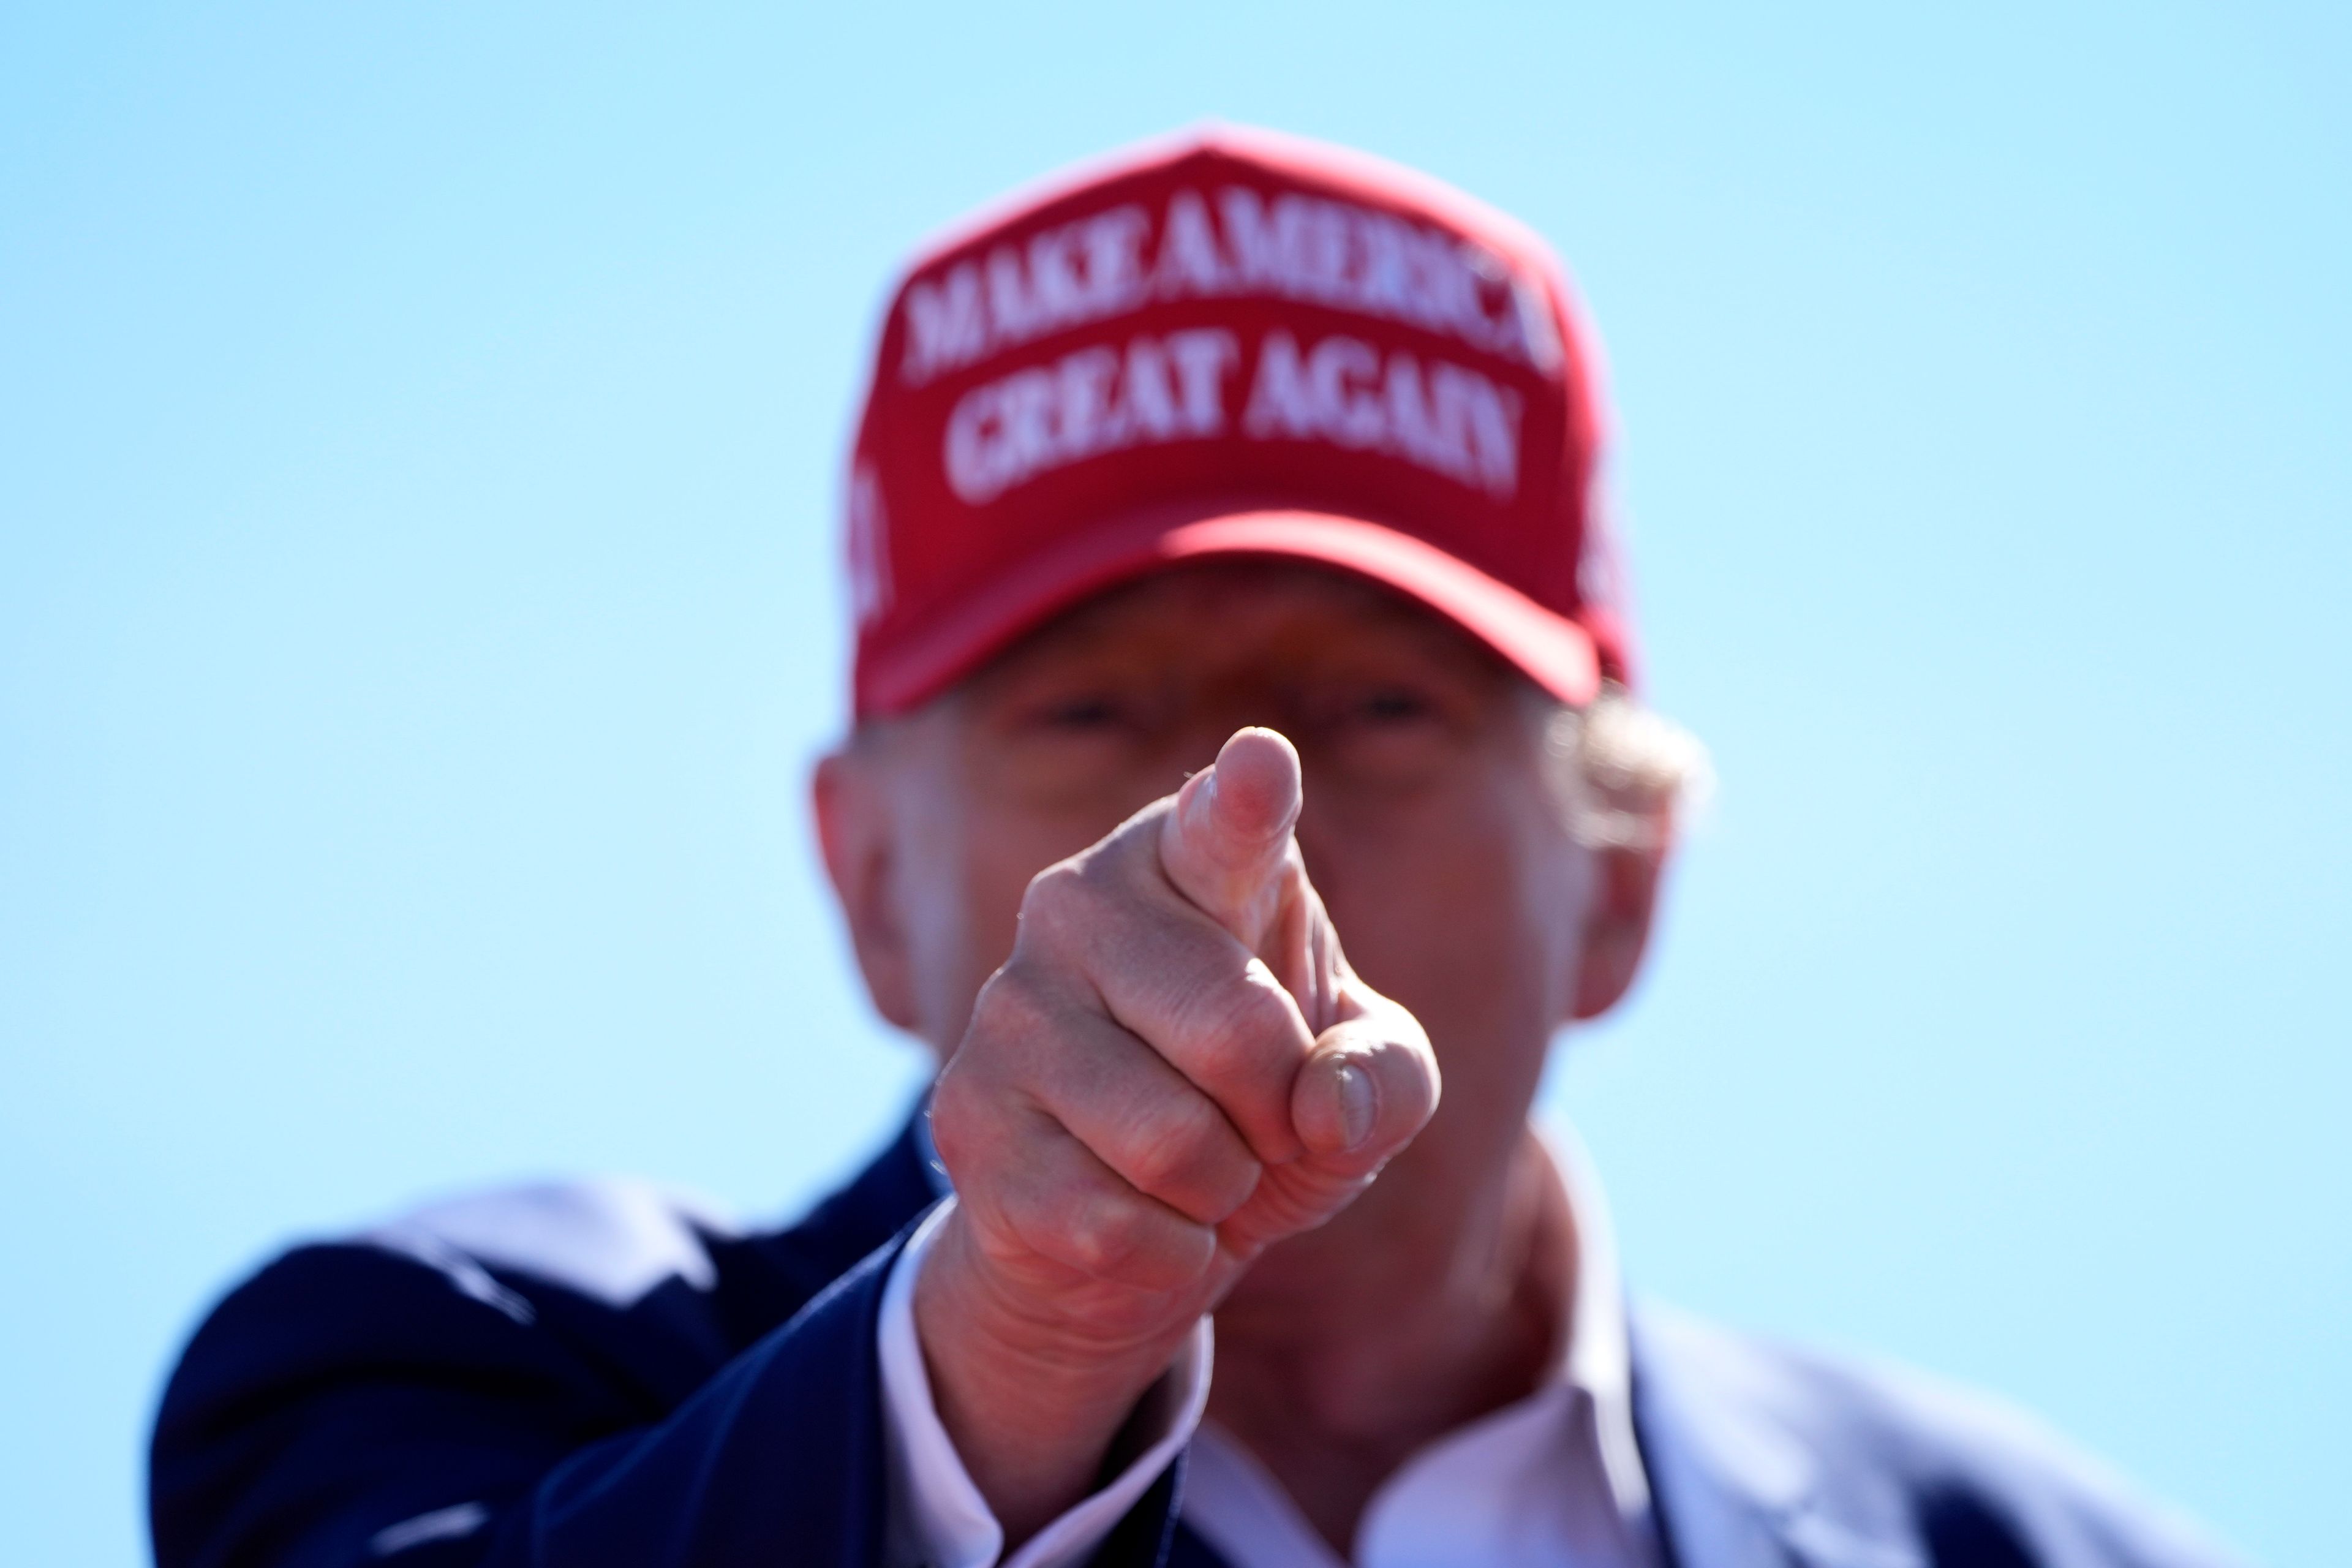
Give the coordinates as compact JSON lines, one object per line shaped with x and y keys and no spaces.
{"x":1552,"y":650}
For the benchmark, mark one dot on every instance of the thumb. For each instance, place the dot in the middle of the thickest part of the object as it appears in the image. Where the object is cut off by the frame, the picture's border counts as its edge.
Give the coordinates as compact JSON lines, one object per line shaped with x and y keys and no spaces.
{"x":1226,"y":844}
{"x":1370,"y":1085}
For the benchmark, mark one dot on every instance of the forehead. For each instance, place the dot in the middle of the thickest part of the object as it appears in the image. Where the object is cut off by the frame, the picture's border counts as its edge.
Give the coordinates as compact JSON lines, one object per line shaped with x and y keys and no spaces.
{"x":1267,"y":616}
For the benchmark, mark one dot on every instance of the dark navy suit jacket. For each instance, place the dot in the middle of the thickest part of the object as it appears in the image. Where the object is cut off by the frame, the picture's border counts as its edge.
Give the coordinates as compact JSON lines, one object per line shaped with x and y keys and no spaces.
{"x":416,"y":1406}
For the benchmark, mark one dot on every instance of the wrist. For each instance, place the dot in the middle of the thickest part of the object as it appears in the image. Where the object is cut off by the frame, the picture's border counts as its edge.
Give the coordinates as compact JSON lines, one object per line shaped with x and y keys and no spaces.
{"x":1031,"y":1392}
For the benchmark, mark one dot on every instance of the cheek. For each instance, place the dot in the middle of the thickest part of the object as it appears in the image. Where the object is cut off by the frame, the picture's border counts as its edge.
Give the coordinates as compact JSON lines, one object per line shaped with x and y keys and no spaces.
{"x":979,"y":880}
{"x":1467,"y":913}
{"x":936,"y":905}
{"x":999,"y":868}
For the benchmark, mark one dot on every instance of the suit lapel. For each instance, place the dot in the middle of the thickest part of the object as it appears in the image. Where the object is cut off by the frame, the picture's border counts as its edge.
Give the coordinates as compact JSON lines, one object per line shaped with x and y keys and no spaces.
{"x":1732,"y":1484}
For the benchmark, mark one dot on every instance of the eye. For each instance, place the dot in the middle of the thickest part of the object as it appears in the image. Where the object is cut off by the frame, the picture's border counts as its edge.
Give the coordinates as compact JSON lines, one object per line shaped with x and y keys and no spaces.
{"x":1092,"y":711}
{"x":1384,"y":732}
{"x":1083,"y":714}
{"x":1377,"y":707}
{"x":1394,"y":705}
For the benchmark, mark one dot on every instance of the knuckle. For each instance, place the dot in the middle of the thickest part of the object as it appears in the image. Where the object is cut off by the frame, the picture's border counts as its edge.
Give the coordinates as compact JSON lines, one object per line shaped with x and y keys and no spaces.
{"x":964,"y":1110}
{"x":1188,"y":1156}
{"x":1047,"y":899}
{"x":1107,"y":1235}
{"x":1067,"y":903}
{"x":1232,"y":1029}
{"x":1012,"y":1006}
{"x":1058,"y":880}
{"x":951,"y":1093}
{"x":1173,"y":1143}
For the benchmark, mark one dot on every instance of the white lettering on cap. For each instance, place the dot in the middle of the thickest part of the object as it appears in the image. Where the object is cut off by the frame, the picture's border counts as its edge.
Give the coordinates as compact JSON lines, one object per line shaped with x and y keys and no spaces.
{"x":1446,"y":418}
{"x":1441,"y":417}
{"x":1374,"y":263}
{"x":1065,"y":277}
{"x":869,"y":545}
{"x":1291,"y":247}
{"x":1096,"y":400}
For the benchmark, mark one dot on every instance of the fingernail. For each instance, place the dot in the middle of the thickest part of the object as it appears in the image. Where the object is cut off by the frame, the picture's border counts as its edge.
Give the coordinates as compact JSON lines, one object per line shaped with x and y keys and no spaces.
{"x":1359,"y":1103}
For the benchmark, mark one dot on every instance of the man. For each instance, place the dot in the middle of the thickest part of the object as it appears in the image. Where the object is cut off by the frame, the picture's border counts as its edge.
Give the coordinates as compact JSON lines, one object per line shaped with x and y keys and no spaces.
{"x":1229,"y":581}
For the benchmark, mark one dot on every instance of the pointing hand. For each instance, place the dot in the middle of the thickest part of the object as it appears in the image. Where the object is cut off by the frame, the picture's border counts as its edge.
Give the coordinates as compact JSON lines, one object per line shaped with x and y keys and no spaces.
{"x":1175,"y":1069}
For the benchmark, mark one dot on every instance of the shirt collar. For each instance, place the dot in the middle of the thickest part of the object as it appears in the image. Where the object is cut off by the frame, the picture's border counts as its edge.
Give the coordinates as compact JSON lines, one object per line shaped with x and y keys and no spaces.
{"x":1599,"y":1360}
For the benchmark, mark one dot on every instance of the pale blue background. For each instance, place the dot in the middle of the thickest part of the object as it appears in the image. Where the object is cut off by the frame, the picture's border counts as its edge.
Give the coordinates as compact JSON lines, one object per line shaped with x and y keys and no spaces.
{"x":418,"y":439}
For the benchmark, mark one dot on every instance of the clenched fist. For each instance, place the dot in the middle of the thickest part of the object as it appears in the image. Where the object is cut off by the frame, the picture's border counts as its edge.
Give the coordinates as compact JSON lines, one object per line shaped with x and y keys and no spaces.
{"x":1174,"y":1069}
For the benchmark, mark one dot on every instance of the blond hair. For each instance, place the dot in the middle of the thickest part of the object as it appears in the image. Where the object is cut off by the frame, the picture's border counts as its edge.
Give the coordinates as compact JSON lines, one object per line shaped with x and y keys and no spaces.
{"x":1625,"y":773}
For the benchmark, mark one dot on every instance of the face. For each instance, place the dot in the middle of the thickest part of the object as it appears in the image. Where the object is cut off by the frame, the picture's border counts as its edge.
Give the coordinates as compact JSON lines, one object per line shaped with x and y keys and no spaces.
{"x":1431,"y":827}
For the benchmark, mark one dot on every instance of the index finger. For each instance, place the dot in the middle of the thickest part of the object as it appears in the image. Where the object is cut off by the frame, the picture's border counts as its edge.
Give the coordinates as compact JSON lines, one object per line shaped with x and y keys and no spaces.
{"x":1225,"y":844}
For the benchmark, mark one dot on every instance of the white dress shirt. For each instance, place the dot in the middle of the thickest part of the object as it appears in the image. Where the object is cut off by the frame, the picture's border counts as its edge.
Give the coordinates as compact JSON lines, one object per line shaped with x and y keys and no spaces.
{"x":1554,"y":1479}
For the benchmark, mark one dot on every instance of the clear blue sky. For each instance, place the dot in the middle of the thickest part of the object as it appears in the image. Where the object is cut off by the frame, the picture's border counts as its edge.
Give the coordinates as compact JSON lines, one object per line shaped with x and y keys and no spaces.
{"x":419,"y":431}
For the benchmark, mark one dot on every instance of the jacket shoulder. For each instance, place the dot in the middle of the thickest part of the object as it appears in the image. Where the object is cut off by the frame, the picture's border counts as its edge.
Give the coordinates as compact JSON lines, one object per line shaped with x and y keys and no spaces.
{"x":1862,"y":1451}
{"x":595,"y":1255}
{"x":611,"y":1239}
{"x":467,"y":1348}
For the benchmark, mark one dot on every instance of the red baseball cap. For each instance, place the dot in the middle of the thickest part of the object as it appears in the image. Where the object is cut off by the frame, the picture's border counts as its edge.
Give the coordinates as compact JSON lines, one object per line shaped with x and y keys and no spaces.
{"x":1231,"y":343}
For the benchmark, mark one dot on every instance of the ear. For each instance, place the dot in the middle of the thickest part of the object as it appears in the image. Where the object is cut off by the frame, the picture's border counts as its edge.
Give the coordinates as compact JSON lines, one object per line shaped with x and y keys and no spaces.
{"x":856,"y":828}
{"x":1616,"y":926}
